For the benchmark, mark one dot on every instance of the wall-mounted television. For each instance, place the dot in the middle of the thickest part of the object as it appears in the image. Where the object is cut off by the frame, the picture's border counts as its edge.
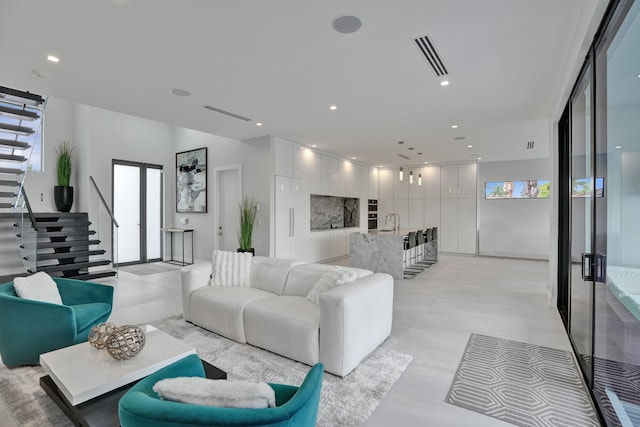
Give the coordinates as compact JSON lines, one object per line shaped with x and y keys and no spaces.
{"x":529,"y":189}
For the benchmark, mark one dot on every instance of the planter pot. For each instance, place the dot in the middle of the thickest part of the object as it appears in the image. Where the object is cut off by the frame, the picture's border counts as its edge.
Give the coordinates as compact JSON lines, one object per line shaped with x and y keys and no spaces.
{"x":63,"y":197}
{"x":252,"y":250}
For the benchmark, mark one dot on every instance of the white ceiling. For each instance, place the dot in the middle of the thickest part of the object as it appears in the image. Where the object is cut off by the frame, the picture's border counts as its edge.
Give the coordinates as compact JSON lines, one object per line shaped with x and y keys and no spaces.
{"x":280,"y":62}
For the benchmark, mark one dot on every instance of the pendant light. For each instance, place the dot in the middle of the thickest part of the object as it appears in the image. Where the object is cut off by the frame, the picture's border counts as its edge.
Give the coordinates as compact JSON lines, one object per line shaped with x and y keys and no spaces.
{"x":410,"y":177}
{"x":401,"y":174}
{"x":419,"y":179}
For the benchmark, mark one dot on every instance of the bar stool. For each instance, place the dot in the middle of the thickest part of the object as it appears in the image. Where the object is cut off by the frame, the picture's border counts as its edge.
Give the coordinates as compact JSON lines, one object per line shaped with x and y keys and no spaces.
{"x":419,"y":245}
{"x":409,"y":243}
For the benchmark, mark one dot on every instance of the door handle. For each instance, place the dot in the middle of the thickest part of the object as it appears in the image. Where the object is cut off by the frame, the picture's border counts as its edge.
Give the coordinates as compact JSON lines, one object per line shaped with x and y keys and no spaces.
{"x":290,"y":222}
{"x":587,"y":267}
{"x":293,"y":222}
{"x":600,"y":268}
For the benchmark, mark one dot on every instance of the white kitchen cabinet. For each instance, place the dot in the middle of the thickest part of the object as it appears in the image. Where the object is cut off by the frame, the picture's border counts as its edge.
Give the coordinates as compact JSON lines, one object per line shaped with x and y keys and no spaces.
{"x":292,"y":218}
{"x":449,"y":182}
{"x":340,"y":242}
{"x":373,"y":183}
{"x":448,"y":230}
{"x":351,"y":178}
{"x":401,"y":188}
{"x":431,"y":182}
{"x":363,"y":171}
{"x":467,"y":181}
{"x":313,"y":171}
{"x":416,"y":192}
{"x":283,"y":158}
{"x":325,"y":175}
{"x":416,"y":214}
{"x":467,"y":226}
{"x":386,"y":184}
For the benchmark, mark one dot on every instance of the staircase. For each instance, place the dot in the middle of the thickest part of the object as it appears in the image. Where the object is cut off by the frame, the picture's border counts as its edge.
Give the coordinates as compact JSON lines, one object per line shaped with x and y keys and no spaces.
{"x":60,"y":244}
{"x":65,"y":246}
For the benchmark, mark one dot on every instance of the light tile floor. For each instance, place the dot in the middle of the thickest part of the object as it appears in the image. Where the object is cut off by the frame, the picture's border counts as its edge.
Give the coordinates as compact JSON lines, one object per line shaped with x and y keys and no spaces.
{"x":434,"y":314}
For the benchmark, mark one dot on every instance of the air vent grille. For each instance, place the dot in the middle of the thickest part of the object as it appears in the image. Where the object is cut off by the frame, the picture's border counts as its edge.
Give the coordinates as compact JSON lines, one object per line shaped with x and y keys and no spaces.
{"x":430,"y":54}
{"x":236,"y":116}
{"x":404,"y":157}
{"x":530,"y":145}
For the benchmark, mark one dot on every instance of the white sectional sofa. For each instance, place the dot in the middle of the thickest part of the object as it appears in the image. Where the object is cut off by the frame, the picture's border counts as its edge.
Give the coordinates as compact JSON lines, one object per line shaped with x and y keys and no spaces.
{"x":273,"y":313}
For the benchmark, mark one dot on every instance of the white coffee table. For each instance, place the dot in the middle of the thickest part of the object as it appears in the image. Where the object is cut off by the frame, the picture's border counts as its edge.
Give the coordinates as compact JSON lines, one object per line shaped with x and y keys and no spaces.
{"x":87,"y":383}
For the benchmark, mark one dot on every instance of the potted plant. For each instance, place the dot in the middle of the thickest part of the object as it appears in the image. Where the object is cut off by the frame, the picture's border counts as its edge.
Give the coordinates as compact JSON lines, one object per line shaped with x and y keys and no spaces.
{"x":248,"y":210}
{"x":63,"y":192}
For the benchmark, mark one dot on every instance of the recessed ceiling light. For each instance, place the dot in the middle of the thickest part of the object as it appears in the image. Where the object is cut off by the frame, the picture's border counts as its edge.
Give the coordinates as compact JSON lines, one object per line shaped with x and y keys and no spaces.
{"x":639,"y":76}
{"x":347,"y":24}
{"x":454,"y":126}
{"x":180,"y":92}
{"x":313,"y":145}
{"x":444,"y":83}
{"x":333,"y":107}
{"x":479,"y":158}
{"x":258,"y":124}
{"x":379,"y":166}
{"x":469,"y":146}
{"x":53,"y":58}
{"x":353,"y":158}
{"x":618,"y":147}
{"x":426,"y":163}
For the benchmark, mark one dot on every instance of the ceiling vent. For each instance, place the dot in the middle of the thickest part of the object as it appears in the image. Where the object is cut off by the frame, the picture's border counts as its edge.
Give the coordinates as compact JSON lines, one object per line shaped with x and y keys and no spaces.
{"x":404,"y":157}
{"x":235,"y":116}
{"x":430,"y":54}
{"x":530,"y":145}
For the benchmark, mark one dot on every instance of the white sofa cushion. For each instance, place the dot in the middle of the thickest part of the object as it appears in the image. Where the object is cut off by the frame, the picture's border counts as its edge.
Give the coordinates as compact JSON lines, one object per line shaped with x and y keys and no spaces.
{"x":270,"y":274}
{"x":38,"y":287}
{"x":231,"y":268}
{"x":286,"y":325}
{"x":302,"y":278}
{"x":220,"y":309}
{"x":220,"y":393}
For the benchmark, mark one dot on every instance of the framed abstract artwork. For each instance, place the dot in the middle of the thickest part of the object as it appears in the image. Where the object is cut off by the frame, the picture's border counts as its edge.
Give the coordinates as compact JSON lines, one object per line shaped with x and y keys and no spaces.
{"x":191,"y":181}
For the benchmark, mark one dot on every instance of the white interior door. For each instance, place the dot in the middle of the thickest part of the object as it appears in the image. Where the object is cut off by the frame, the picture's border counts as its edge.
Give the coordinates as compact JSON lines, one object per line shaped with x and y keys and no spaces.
{"x":229,"y":196}
{"x":283,"y":217}
{"x":126,"y":209}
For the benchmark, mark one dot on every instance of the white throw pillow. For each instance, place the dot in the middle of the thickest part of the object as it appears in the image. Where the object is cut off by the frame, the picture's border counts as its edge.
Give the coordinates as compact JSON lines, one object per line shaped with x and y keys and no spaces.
{"x":329,"y":280}
{"x":231,"y":268}
{"x":38,"y":287}
{"x":223,"y":393}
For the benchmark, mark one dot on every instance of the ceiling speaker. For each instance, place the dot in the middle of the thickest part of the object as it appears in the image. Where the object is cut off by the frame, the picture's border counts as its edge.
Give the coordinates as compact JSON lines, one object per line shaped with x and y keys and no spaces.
{"x":347,"y":24}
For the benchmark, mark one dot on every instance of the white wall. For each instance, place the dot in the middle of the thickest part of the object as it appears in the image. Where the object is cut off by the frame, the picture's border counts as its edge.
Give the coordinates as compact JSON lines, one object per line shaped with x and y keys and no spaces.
{"x":254,"y":158}
{"x":514,"y":227}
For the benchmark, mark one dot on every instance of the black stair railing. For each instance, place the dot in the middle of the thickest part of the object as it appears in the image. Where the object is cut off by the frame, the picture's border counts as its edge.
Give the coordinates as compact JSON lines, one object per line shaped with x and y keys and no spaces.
{"x":107,"y":225}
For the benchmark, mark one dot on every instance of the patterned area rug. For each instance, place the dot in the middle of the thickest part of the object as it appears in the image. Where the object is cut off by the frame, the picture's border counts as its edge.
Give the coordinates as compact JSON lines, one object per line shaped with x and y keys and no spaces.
{"x":522,"y":384}
{"x":344,"y":401}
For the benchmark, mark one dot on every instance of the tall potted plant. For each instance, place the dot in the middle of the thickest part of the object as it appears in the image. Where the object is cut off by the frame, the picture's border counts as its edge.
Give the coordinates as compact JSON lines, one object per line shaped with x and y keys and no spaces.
{"x":63,"y":192}
{"x":248,"y":211}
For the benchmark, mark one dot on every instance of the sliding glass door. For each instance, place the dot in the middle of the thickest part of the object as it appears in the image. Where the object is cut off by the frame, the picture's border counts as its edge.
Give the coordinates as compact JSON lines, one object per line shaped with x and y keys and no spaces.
{"x":616,"y":378}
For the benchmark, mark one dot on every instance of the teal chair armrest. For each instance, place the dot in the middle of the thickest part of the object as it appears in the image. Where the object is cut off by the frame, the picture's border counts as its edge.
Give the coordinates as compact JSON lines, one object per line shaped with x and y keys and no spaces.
{"x":74,"y":292}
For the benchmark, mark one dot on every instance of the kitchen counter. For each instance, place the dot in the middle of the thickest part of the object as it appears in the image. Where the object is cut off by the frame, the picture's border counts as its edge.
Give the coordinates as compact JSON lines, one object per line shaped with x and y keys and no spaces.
{"x":382,"y":251}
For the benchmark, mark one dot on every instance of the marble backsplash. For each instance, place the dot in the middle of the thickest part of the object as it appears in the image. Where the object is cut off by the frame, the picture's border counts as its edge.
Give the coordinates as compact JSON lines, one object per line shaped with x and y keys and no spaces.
{"x":334,"y":212}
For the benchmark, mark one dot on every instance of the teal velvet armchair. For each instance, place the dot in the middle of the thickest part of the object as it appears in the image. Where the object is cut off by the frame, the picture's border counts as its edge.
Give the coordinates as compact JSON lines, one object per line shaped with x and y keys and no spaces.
{"x":29,"y":328}
{"x":295,"y":406}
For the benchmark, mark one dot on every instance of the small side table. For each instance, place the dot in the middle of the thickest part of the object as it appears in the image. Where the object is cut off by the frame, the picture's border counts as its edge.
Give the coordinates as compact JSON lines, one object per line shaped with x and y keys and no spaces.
{"x":181,"y":231}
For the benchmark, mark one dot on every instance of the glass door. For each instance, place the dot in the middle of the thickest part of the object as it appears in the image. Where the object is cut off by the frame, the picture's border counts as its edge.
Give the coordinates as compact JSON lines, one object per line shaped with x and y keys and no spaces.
{"x":580,"y":280}
{"x":616,"y":380}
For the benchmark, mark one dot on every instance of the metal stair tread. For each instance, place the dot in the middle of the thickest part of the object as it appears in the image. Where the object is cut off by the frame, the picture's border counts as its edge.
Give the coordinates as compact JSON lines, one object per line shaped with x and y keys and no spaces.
{"x":95,"y":275}
{"x":17,"y":129}
{"x":64,"y":233}
{"x":67,"y":244}
{"x":7,"y":194}
{"x":14,"y":144}
{"x":72,"y":254}
{"x":12,"y":171}
{"x":74,"y":266}
{"x":62,"y":223}
{"x":12,"y":158}
{"x":23,"y":114}
{"x":9,"y":183}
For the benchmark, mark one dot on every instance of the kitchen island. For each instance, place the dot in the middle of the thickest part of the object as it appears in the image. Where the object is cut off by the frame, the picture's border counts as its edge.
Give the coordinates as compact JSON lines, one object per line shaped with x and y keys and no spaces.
{"x":383,"y":251}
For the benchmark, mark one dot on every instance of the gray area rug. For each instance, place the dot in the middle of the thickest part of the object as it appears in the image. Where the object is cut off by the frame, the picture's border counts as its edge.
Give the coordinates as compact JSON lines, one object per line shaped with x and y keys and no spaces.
{"x":344,"y":401}
{"x":152,"y":268}
{"x":522,"y":384}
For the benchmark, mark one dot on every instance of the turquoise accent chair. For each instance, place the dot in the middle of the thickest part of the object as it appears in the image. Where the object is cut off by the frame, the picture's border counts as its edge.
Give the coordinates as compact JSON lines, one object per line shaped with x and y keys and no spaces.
{"x":29,"y":328}
{"x":295,"y":406}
